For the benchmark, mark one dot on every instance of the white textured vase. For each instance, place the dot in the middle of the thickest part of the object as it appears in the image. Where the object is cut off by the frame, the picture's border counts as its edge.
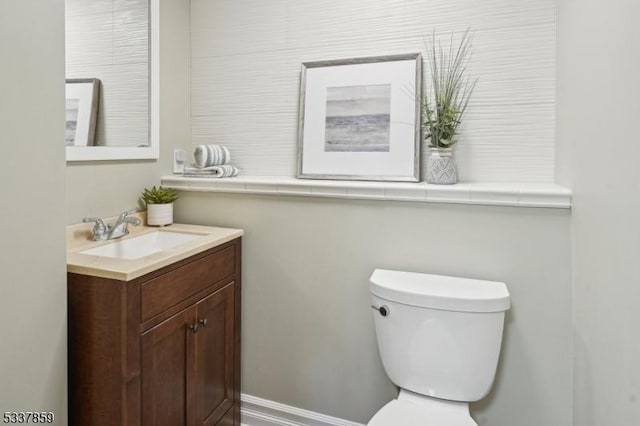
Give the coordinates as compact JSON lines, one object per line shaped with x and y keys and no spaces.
{"x":159,"y":214}
{"x":441,"y":167}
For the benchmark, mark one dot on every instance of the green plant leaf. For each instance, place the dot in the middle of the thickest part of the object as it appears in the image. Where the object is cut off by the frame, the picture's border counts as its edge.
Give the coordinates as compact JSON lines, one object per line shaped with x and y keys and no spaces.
{"x":449,"y":92}
{"x":159,"y":195}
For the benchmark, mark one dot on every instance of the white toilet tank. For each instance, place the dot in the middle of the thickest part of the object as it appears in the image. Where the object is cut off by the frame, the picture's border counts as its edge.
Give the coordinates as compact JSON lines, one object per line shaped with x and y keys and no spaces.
{"x":439,"y":336}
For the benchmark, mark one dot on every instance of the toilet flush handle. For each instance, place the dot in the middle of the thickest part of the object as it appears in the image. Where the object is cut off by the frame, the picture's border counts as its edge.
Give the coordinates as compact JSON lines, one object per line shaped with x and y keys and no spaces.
{"x":384,"y":309}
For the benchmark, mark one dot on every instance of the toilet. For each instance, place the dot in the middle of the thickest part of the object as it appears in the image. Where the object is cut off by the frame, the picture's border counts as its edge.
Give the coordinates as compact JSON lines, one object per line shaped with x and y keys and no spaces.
{"x":439,"y":339}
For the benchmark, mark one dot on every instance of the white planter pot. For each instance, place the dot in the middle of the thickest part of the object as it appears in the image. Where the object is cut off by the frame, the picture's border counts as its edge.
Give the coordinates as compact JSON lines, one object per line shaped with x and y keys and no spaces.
{"x":441,"y":167}
{"x":159,"y":214}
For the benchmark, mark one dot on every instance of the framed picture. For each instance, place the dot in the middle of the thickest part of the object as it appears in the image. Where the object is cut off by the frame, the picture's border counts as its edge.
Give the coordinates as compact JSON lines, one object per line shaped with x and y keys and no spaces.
{"x":359,"y":119}
{"x":82,"y":96}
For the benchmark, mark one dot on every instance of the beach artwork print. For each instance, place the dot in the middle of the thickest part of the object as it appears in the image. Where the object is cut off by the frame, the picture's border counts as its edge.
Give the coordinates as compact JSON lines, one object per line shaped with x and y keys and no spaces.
{"x":72,"y":107}
{"x":358,"y":118}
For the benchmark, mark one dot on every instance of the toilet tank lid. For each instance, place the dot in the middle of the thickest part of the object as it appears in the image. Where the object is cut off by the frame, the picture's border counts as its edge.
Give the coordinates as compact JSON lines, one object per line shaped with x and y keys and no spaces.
{"x":440,"y":291}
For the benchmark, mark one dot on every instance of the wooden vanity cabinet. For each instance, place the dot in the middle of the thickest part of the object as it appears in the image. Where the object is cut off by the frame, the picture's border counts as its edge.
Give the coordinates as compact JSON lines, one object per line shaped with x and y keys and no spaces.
{"x":160,"y":350}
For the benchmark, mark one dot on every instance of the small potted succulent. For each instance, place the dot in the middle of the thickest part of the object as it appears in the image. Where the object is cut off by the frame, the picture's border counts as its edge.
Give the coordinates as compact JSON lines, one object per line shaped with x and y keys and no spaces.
{"x":444,"y":105}
{"x":159,"y":203}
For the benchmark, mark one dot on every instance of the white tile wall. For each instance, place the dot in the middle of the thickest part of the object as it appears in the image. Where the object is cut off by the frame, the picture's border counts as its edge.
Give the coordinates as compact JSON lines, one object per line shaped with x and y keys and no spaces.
{"x":246,"y":57}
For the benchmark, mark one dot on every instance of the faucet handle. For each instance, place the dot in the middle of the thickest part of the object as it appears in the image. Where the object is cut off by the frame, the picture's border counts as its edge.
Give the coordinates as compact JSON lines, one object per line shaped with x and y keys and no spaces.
{"x":126,"y":213}
{"x":97,"y":220}
{"x":133,"y":221}
{"x":99,"y":229}
{"x":123,"y":218}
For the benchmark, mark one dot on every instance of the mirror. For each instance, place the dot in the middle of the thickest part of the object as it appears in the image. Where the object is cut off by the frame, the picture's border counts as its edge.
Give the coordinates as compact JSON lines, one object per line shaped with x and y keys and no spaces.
{"x":116,"y":42}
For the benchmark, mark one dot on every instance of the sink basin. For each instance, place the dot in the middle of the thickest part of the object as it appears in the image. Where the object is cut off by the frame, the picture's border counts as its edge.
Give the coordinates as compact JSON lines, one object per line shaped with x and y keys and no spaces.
{"x":144,"y":245}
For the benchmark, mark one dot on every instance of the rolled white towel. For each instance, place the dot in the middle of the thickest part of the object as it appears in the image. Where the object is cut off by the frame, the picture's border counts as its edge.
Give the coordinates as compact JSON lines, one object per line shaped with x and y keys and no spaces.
{"x":210,"y":155}
{"x":222,"y":171}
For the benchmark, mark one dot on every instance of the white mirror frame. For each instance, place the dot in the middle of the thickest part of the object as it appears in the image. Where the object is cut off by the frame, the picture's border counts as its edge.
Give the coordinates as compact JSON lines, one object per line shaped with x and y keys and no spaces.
{"x":97,"y":153}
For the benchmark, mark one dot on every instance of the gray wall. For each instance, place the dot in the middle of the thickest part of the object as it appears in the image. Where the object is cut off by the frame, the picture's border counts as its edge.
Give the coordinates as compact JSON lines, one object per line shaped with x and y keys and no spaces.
{"x":308,"y":336}
{"x":33,"y":282}
{"x":106,"y":188}
{"x":598,"y":113}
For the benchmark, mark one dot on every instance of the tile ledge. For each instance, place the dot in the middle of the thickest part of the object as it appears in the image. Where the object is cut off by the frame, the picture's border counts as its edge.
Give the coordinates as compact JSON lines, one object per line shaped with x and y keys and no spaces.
{"x":546,"y":195}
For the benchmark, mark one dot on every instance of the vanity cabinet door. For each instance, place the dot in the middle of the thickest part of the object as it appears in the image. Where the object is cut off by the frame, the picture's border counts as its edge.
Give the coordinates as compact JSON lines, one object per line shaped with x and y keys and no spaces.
{"x":188,"y":364}
{"x":215,"y":356}
{"x":167,"y":370}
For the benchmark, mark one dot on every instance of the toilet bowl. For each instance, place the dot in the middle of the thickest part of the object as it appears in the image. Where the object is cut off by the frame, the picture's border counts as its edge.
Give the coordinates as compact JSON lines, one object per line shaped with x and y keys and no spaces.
{"x":417,"y":410}
{"x":439,"y":339}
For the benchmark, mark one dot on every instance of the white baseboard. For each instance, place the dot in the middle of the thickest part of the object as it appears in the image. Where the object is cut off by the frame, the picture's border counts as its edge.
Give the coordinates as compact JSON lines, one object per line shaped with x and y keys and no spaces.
{"x":256,"y":411}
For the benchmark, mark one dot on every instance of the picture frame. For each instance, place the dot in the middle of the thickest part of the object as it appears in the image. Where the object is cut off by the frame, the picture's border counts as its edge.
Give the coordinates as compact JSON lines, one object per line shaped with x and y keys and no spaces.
{"x":359,"y":119}
{"x":82,"y":96}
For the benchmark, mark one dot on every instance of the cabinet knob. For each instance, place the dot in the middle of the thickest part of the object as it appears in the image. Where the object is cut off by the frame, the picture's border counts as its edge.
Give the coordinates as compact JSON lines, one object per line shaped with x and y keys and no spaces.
{"x":193,"y":327}
{"x":204,"y":322}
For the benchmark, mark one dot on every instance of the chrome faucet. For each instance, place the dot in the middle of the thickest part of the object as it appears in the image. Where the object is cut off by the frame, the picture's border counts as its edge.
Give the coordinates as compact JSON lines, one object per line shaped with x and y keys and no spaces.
{"x":118,"y":229}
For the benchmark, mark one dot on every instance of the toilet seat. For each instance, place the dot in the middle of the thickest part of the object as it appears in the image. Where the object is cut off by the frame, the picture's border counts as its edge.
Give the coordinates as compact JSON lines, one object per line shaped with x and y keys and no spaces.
{"x":408,"y":412}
